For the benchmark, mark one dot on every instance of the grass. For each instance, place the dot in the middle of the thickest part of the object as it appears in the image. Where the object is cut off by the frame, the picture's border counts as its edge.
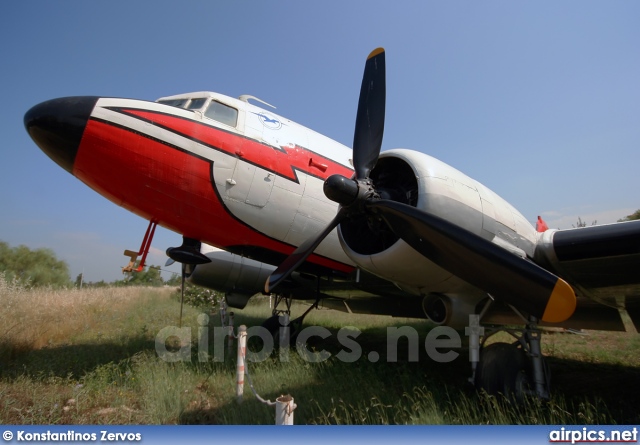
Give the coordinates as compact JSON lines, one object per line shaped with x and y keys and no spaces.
{"x":86,"y":357}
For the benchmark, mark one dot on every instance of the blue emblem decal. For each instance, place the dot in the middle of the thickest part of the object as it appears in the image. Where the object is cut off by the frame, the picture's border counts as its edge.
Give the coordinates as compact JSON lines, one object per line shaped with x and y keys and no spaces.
{"x":268,"y":121}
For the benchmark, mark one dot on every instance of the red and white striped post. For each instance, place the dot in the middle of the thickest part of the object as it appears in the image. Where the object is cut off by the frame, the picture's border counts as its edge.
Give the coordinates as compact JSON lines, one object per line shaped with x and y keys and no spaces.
{"x":242,"y":350}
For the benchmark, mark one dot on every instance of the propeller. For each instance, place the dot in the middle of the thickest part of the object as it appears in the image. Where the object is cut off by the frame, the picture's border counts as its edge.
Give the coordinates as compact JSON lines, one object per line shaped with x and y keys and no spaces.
{"x":480,"y":262}
{"x":367,"y":142}
{"x":186,"y":254}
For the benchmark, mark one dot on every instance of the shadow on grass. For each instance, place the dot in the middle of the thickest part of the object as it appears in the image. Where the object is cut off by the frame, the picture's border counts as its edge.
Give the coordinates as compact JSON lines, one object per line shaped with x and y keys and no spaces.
{"x":73,"y":361}
{"x":617,"y":386}
{"x":77,"y":360}
{"x":360,"y":392}
{"x":401,"y":392}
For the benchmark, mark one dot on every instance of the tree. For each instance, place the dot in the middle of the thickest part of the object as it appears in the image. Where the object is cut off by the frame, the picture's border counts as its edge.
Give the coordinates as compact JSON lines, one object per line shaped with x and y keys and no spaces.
{"x":149,"y":276}
{"x":635,"y":215}
{"x":174,"y":280}
{"x":38,"y":267}
{"x":582,"y":223}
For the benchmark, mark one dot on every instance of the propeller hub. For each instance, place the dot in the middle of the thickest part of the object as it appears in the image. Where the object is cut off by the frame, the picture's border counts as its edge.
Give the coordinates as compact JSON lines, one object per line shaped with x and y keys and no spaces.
{"x":341,"y":189}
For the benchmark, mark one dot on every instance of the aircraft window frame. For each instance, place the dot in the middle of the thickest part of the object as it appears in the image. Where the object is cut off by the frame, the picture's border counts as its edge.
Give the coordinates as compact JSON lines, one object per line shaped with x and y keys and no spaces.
{"x":199,"y":101}
{"x":178,"y":103}
{"x":226,"y":115}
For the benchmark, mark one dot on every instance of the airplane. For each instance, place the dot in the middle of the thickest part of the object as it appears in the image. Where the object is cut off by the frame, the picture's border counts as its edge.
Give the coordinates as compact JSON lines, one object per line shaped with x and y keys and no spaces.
{"x":267,"y":205}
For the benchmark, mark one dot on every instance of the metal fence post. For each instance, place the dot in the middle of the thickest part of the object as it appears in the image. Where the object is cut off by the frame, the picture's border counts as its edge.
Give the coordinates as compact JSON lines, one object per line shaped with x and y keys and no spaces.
{"x":242,"y":347}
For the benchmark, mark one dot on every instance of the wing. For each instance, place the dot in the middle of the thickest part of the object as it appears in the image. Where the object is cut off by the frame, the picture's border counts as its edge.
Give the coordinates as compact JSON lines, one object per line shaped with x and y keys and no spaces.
{"x":601,"y":262}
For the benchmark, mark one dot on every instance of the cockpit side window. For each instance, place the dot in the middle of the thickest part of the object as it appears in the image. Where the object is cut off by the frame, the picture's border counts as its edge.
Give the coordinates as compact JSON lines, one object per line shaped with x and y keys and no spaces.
{"x":222,"y":113}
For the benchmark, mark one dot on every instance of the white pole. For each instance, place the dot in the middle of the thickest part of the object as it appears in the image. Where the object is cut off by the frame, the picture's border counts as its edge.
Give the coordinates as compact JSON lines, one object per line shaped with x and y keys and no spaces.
{"x":223,"y":313}
{"x":284,"y":335}
{"x":242,"y":345}
{"x":230,"y":337}
{"x":284,"y":410}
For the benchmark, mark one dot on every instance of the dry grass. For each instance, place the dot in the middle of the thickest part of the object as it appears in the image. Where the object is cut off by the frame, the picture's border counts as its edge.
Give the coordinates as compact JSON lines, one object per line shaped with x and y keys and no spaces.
{"x":35,"y":318}
{"x":88,"y":357}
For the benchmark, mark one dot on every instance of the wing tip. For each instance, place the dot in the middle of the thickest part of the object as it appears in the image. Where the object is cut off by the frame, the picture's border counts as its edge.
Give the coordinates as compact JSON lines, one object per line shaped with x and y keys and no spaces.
{"x":561,"y":304}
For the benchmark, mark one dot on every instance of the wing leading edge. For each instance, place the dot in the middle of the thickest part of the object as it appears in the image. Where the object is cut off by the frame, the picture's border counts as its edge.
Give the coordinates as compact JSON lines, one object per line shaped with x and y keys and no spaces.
{"x":601,"y":262}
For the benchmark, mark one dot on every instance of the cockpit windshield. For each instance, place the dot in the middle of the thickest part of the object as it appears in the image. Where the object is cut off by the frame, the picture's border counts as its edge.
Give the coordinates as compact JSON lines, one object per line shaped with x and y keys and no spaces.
{"x":180,"y":103}
{"x":196,"y":104}
{"x":188,"y":104}
{"x":214,"y":110}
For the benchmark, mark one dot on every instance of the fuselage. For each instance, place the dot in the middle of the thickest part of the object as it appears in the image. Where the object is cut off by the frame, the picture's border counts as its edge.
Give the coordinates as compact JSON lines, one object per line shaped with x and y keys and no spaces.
{"x":243,"y":179}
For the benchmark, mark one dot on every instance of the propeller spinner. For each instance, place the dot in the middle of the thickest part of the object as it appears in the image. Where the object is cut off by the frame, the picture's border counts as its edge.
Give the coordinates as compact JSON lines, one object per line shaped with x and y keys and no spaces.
{"x":474,"y":259}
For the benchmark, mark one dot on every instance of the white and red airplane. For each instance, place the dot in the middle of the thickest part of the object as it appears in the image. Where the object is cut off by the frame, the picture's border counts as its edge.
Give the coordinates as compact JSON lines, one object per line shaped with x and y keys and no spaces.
{"x":397,"y":233}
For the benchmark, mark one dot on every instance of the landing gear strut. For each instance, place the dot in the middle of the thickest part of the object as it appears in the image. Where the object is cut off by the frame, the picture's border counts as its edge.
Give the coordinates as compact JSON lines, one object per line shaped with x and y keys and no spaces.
{"x":515,"y":370}
{"x":280,"y":319}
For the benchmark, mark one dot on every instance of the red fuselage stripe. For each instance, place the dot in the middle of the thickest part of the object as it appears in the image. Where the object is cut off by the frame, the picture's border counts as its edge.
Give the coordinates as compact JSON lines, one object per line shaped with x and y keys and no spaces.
{"x":157,"y":181}
{"x":283,"y":161}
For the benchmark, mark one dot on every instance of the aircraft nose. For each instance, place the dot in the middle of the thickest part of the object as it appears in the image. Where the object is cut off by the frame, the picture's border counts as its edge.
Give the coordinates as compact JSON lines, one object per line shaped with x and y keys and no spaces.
{"x":57,"y":125}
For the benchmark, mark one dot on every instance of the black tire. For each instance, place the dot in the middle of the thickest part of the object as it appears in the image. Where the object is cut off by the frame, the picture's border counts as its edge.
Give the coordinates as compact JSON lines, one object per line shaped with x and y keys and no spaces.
{"x":503,"y":369}
{"x":272,"y":324}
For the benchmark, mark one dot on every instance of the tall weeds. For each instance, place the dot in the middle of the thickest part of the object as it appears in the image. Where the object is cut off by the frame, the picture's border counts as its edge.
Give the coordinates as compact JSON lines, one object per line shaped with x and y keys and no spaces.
{"x":35,"y":318}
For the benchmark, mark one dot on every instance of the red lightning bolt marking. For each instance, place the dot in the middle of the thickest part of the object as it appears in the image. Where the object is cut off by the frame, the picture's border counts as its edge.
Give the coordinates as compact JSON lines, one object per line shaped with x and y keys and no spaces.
{"x":283,"y":161}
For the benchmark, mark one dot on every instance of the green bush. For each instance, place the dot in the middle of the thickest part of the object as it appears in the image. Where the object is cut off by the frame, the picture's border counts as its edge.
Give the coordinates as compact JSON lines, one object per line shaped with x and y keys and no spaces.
{"x":200,"y":297}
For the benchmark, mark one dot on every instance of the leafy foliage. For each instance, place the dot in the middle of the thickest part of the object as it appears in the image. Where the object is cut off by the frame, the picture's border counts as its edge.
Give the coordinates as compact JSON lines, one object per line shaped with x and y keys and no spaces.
{"x":174,"y":280}
{"x":199,"y":297}
{"x":36,"y":268}
{"x":582,"y":223}
{"x":635,"y":215}
{"x":149,"y":276}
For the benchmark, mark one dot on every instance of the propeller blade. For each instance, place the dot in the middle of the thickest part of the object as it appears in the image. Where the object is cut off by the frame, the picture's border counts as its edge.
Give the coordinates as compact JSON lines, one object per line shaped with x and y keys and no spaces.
{"x":184,"y":272}
{"x":480,"y":262}
{"x":293,"y":261}
{"x":367,"y":138}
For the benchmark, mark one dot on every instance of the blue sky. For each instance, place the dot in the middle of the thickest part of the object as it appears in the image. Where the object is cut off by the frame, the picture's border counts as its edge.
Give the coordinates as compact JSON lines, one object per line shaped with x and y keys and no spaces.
{"x":540,"y":101}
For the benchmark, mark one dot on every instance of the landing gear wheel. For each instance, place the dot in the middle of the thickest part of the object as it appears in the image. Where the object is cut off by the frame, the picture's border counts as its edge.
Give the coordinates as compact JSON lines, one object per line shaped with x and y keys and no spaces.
{"x":272,"y":324}
{"x":503,"y":370}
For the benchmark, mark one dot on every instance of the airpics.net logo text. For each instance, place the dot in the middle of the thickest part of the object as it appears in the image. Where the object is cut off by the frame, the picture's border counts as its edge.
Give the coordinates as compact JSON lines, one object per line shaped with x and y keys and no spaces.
{"x":587,"y":435}
{"x":439,"y":343}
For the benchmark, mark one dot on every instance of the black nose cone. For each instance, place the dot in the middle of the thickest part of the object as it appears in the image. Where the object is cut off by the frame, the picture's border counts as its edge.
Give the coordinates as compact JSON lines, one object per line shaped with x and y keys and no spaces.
{"x":57,"y":125}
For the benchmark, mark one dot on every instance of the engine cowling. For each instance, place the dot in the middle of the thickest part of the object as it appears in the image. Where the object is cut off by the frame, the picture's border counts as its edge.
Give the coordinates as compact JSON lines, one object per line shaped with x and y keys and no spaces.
{"x":428,"y":184}
{"x":238,"y":277}
{"x":450,"y":310}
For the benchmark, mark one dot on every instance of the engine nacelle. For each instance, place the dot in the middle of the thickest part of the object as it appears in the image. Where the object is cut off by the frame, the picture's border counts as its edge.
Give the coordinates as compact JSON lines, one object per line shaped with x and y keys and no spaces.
{"x":238,"y":277}
{"x":428,"y":184}
{"x":449,"y":310}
